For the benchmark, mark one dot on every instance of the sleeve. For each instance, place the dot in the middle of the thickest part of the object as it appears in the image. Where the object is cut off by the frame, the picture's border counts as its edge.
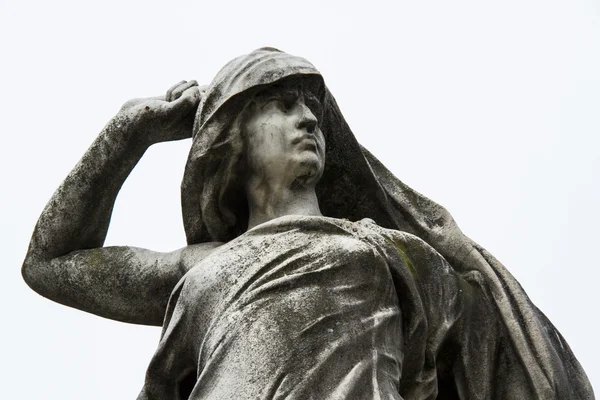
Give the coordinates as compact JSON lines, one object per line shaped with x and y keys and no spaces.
{"x":459,"y":343}
{"x":435,"y":301}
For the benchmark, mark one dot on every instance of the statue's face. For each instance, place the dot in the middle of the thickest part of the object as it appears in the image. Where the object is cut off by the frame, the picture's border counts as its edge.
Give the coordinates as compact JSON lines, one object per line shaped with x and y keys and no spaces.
{"x":283,"y":136}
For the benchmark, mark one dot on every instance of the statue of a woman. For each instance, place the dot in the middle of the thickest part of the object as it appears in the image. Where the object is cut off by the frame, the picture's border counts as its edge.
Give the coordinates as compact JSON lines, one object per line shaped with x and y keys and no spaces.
{"x":311,"y":272}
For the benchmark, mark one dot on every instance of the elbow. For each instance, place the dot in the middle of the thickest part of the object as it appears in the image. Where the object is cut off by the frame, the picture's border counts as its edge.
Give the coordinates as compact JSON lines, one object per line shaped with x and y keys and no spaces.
{"x":28,"y":273}
{"x":32,"y":273}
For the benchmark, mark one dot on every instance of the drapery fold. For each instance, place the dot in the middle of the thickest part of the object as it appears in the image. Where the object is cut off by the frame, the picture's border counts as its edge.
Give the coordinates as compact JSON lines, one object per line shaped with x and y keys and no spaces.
{"x":528,"y":358}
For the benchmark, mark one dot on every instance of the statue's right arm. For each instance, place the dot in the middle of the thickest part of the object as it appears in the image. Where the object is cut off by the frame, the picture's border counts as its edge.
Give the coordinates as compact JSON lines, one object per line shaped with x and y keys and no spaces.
{"x":66,"y":261}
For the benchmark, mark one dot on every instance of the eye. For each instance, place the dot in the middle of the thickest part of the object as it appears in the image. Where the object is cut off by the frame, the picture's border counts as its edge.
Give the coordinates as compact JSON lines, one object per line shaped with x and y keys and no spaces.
{"x":288,"y":100}
{"x":277,"y":100}
{"x":315,"y":106}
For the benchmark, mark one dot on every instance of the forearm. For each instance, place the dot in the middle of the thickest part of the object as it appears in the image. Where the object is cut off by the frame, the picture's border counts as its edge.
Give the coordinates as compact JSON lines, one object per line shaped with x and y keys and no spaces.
{"x":78,"y":214}
{"x":66,"y":261}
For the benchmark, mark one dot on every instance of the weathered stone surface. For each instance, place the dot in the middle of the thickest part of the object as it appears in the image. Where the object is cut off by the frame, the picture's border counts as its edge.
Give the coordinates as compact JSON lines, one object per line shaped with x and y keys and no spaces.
{"x":278,"y":294}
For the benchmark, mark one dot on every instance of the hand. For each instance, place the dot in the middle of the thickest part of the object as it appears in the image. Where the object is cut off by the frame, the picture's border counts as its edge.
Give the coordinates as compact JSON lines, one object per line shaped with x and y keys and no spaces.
{"x":164,"y":118}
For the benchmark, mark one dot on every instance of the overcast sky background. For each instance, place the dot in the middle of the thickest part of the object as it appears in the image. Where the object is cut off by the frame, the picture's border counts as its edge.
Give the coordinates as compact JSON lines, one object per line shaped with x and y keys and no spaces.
{"x":490,"y":108}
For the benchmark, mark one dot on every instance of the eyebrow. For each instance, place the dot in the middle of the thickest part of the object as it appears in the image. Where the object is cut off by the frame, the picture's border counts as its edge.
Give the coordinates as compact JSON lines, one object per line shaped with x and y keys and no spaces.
{"x":279,"y":91}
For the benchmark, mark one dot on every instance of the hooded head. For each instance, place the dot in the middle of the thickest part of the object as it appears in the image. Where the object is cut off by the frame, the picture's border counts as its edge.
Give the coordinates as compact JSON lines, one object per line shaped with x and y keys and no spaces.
{"x":213,"y":199}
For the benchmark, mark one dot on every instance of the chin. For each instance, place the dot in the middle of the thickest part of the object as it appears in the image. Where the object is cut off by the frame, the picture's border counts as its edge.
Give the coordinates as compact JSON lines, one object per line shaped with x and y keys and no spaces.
{"x":309,"y":172}
{"x":311,"y":160}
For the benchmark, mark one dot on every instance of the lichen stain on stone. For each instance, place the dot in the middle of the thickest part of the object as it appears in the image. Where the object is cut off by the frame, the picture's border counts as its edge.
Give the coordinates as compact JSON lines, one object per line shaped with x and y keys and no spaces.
{"x":407,"y":261}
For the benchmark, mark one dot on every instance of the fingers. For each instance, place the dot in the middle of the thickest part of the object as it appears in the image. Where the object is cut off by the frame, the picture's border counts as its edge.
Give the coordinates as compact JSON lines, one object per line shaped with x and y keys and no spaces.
{"x":185,"y":103}
{"x":170,"y":91}
{"x":177,"y":90}
{"x":181,"y":113}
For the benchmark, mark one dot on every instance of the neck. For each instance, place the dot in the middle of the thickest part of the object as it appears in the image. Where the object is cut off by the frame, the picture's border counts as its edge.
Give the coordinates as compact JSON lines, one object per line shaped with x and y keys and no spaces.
{"x":268,"y":202}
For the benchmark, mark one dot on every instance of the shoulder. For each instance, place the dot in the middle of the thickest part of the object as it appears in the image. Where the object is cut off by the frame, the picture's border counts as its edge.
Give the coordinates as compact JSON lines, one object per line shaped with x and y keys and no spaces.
{"x":412,"y":260}
{"x":416,"y":253}
{"x":191,"y":287}
{"x":401,"y":238}
{"x":192,"y":255}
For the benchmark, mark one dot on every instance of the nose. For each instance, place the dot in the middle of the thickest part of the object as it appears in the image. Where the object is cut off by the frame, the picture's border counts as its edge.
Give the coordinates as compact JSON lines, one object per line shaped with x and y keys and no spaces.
{"x":306,"y":119}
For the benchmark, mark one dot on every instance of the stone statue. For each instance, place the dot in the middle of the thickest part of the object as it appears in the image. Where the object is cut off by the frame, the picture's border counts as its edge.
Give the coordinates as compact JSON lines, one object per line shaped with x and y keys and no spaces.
{"x":311,"y":272}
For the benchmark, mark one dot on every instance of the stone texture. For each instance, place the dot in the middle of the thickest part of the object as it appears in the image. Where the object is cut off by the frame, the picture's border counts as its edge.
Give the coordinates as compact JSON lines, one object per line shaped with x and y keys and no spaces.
{"x":278,"y":294}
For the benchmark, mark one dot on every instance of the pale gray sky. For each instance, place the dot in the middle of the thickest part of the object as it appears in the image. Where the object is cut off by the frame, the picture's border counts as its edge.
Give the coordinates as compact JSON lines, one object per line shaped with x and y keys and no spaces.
{"x":489,"y":108}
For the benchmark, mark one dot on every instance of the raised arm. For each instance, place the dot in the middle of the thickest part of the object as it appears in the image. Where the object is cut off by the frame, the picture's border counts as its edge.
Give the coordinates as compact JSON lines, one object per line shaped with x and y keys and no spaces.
{"x":66,"y":262}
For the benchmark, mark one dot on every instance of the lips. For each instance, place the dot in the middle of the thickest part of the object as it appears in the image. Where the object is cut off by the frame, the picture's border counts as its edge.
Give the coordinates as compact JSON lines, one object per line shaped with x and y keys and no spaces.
{"x":306,"y":142}
{"x":308,"y":145}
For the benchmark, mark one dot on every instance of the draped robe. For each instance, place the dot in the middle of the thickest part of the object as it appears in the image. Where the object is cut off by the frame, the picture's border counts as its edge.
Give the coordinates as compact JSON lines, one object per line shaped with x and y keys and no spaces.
{"x":424,"y":312}
{"x":311,"y":308}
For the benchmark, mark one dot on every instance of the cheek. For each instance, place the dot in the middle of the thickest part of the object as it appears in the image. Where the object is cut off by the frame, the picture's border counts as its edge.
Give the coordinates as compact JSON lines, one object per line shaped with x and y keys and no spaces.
{"x":321,"y":143}
{"x":267,"y":145}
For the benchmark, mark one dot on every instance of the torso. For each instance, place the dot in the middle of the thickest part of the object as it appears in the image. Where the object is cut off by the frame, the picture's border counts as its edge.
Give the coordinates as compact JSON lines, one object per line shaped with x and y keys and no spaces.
{"x":299,"y":307}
